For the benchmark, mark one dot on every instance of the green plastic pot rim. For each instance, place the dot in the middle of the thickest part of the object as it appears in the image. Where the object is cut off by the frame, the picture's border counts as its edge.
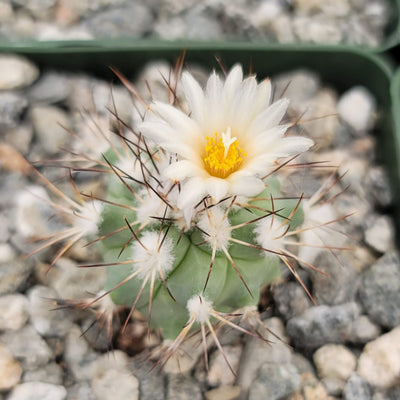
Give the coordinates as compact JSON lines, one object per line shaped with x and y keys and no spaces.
{"x":392,"y":39}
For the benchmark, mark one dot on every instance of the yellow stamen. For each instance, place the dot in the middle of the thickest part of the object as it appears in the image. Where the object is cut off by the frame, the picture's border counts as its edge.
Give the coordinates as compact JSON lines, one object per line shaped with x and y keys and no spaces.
{"x":222,"y":155}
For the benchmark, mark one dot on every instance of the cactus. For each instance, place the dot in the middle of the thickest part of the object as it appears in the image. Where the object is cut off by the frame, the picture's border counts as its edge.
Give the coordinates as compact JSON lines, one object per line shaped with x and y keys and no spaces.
{"x":193,"y":222}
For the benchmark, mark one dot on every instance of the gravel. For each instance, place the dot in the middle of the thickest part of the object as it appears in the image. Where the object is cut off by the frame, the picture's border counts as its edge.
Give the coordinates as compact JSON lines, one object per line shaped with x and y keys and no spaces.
{"x":341,"y":347}
{"x":339,"y":21}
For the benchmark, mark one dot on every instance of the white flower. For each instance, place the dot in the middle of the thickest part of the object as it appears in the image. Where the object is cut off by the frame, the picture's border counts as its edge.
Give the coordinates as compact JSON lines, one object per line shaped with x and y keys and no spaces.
{"x":229,"y":140}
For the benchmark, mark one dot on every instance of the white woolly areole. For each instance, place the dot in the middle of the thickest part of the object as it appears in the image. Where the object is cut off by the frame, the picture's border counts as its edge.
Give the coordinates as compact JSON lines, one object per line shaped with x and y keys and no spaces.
{"x":217,"y":226}
{"x":270,"y":233}
{"x":89,"y":217}
{"x":150,"y":257}
{"x":199,"y":308}
{"x":152,"y":206}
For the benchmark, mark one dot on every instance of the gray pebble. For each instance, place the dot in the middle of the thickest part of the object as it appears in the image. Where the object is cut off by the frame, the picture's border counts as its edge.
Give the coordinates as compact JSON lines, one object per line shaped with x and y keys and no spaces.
{"x":20,"y":137}
{"x":257,"y":353}
{"x":32,"y":357}
{"x":78,"y":356}
{"x":152,"y":385}
{"x":378,"y":186}
{"x":14,"y":275}
{"x":79,"y":391}
{"x":50,"y":124}
{"x":380,"y":291}
{"x":52,"y":87}
{"x":71,"y":282}
{"x":364,"y":330}
{"x":12,"y":105}
{"x":16,"y":72}
{"x":357,"y":389}
{"x":134,"y":19}
{"x":291,"y":300}
{"x":48,"y":321}
{"x":379,"y":232}
{"x":339,"y":285}
{"x":38,"y":391}
{"x":300,"y":87}
{"x":49,"y":373}
{"x":275,"y":381}
{"x":322,"y":324}
{"x":183,"y":387}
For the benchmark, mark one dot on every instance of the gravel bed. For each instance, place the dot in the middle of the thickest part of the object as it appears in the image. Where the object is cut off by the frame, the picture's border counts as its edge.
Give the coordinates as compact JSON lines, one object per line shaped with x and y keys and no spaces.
{"x":361,"y":22}
{"x":346,"y":347}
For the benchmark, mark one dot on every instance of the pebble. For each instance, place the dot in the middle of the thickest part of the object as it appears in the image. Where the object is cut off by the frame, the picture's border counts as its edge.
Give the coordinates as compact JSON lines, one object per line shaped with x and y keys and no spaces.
{"x":115,"y":384}
{"x":16,"y":72}
{"x":183,"y":387}
{"x":257,"y":353}
{"x":32,"y":211}
{"x":152,"y":385}
{"x":379,"y":363}
{"x":322,"y":324}
{"x":46,"y":319}
{"x":52,"y":87}
{"x":71,"y":282}
{"x":378,"y":186}
{"x":275,"y":381}
{"x":339,"y":285}
{"x":38,"y":391}
{"x":10,"y":370}
{"x":335,"y":364}
{"x":12,"y":105}
{"x":32,"y":357}
{"x":50,"y":124}
{"x":364,"y":330}
{"x":316,"y":29}
{"x":291,"y":299}
{"x":50,"y":373}
{"x":357,"y":388}
{"x":380,"y":291}
{"x":223,"y":393}
{"x":219,"y":374}
{"x":13,"y":312}
{"x":300,"y":87}
{"x":134,"y":20}
{"x":357,"y":107}
{"x":14,"y":275}
{"x":79,"y":391}
{"x":379,"y":233}
{"x":20,"y":137}
{"x":78,"y":356}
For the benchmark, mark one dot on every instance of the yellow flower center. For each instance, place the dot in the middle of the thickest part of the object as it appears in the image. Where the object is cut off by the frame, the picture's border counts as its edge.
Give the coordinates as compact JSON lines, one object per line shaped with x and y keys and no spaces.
{"x":222,"y":154}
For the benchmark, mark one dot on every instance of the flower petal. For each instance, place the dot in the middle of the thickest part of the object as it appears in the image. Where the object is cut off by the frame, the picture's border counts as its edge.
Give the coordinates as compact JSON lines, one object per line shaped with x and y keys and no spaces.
{"x":245,"y":185}
{"x":168,"y":138}
{"x":180,"y":170}
{"x":217,"y":188}
{"x":194,"y":95}
{"x":269,"y":118}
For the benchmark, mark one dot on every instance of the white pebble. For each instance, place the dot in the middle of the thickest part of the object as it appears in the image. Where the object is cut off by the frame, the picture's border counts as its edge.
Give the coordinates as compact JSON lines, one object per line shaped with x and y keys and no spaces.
{"x":357,"y":107}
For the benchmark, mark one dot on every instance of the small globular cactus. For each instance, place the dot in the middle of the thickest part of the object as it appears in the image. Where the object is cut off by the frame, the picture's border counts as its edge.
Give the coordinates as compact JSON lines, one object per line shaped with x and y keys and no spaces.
{"x":193,"y":222}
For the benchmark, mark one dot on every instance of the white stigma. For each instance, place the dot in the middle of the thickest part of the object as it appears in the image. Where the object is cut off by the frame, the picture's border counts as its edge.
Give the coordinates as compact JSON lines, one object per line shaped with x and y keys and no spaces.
{"x":227,"y":140}
{"x":199,"y":308}
{"x":150,"y":257}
